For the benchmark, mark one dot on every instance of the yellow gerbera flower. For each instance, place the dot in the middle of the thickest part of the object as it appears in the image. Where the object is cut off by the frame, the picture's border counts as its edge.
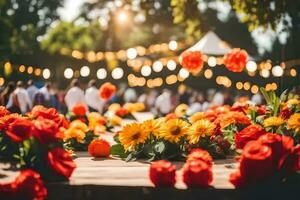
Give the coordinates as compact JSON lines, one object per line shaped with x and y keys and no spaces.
{"x":174,"y":129}
{"x":77,"y":124}
{"x":181,"y":109}
{"x":132,"y":135}
{"x":273,"y":121}
{"x":200,"y":129}
{"x":294,"y":122}
{"x":197,"y":116}
{"x":152,"y":126}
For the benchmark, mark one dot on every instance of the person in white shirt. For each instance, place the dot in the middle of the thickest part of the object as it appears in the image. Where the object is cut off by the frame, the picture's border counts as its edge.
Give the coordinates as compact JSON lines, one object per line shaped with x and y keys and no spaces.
{"x":74,"y":95}
{"x":92,"y":98}
{"x":130,"y":95}
{"x":20,"y":98}
{"x":31,"y":90}
{"x":46,"y":91}
{"x":163,"y":102}
{"x":218,"y":99}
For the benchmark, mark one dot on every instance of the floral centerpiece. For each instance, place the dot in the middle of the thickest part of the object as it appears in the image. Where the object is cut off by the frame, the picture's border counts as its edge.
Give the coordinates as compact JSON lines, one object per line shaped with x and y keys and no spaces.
{"x":34,"y":141}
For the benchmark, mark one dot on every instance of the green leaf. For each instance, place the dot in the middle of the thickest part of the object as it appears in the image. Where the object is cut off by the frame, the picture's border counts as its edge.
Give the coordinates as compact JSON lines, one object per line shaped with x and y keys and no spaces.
{"x":118,"y":150}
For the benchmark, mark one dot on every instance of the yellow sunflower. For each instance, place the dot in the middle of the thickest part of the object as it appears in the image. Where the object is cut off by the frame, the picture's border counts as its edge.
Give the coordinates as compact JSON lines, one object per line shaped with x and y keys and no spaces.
{"x":181,"y":109}
{"x":200,"y":129}
{"x":273,"y":121}
{"x":174,"y":129}
{"x":197,"y":116}
{"x":132,"y":135}
{"x":294,"y":122}
{"x":152,"y":126}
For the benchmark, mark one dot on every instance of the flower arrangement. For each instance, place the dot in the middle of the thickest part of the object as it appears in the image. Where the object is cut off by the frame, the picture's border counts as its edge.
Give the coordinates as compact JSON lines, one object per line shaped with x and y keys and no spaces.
{"x":196,"y":172}
{"x":78,"y":136}
{"x":222,"y":130}
{"x":34,"y":141}
{"x":126,"y":111}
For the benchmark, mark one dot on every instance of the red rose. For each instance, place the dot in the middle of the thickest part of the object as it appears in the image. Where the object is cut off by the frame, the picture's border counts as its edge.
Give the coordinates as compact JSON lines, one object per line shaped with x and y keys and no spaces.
{"x":7,"y":120}
{"x":291,"y":162}
{"x":280,"y":145}
{"x":3,"y":111}
{"x":49,"y":113}
{"x":192,"y":61}
{"x":236,"y":60}
{"x":20,"y":129}
{"x":46,"y":131}
{"x":162,"y":173}
{"x":107,"y":90}
{"x":79,"y":109}
{"x":27,"y":186}
{"x":285,"y":113}
{"x":122,"y":112}
{"x":197,"y":173}
{"x":200,"y":154}
{"x":251,"y":132}
{"x":61,"y":162}
{"x":256,"y":162}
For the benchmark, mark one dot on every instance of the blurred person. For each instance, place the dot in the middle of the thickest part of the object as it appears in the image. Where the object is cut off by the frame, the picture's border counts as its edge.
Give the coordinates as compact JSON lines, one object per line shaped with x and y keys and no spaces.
{"x":163,"y":102}
{"x":196,"y":106}
{"x":257,"y":99}
{"x":92,"y":98}
{"x":45,"y":91}
{"x":218,"y":98}
{"x":74,"y":95}
{"x":130,"y":95}
{"x":5,"y":94}
{"x":151,"y":98}
{"x":19,"y":99}
{"x":31,"y":89}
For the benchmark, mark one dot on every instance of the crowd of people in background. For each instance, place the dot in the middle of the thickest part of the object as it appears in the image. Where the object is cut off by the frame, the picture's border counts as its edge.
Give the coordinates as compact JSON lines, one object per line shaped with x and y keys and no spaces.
{"x":20,"y":97}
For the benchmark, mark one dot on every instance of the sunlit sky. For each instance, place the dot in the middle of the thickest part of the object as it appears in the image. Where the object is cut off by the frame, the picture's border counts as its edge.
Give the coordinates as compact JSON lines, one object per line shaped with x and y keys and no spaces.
{"x":262,"y":38}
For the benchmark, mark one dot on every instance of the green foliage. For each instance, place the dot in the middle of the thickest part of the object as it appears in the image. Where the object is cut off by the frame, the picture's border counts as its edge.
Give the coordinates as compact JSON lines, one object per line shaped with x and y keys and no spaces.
{"x":71,"y":36}
{"x":22,"y":22}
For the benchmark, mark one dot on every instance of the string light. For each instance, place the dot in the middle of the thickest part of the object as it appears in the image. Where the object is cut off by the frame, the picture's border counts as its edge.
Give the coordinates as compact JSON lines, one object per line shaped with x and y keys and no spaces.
{"x":254,"y":89}
{"x":146,"y":70}
{"x":208,"y":73}
{"x":246,"y":86}
{"x":157,"y":66}
{"x":171,"y":65}
{"x":239,"y":85}
{"x":22,"y":68}
{"x":293,"y":72}
{"x":173,"y":45}
{"x":30,"y":70}
{"x":251,"y":66}
{"x":277,"y":71}
{"x":117,"y":73}
{"x":212,"y":61}
{"x":68,"y":73}
{"x":2,"y":81}
{"x":131,"y":53}
{"x":265,"y":73}
{"x":85,"y":71}
{"x":101,"y":73}
{"x":46,"y":73}
{"x":183,"y":73}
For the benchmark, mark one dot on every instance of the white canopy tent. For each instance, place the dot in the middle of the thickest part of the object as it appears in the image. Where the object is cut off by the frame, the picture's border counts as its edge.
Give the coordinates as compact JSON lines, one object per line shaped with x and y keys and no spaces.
{"x":211,"y":44}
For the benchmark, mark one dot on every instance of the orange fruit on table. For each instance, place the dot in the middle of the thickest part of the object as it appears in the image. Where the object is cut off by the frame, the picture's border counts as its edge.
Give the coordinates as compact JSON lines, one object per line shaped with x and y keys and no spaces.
{"x":99,"y":148}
